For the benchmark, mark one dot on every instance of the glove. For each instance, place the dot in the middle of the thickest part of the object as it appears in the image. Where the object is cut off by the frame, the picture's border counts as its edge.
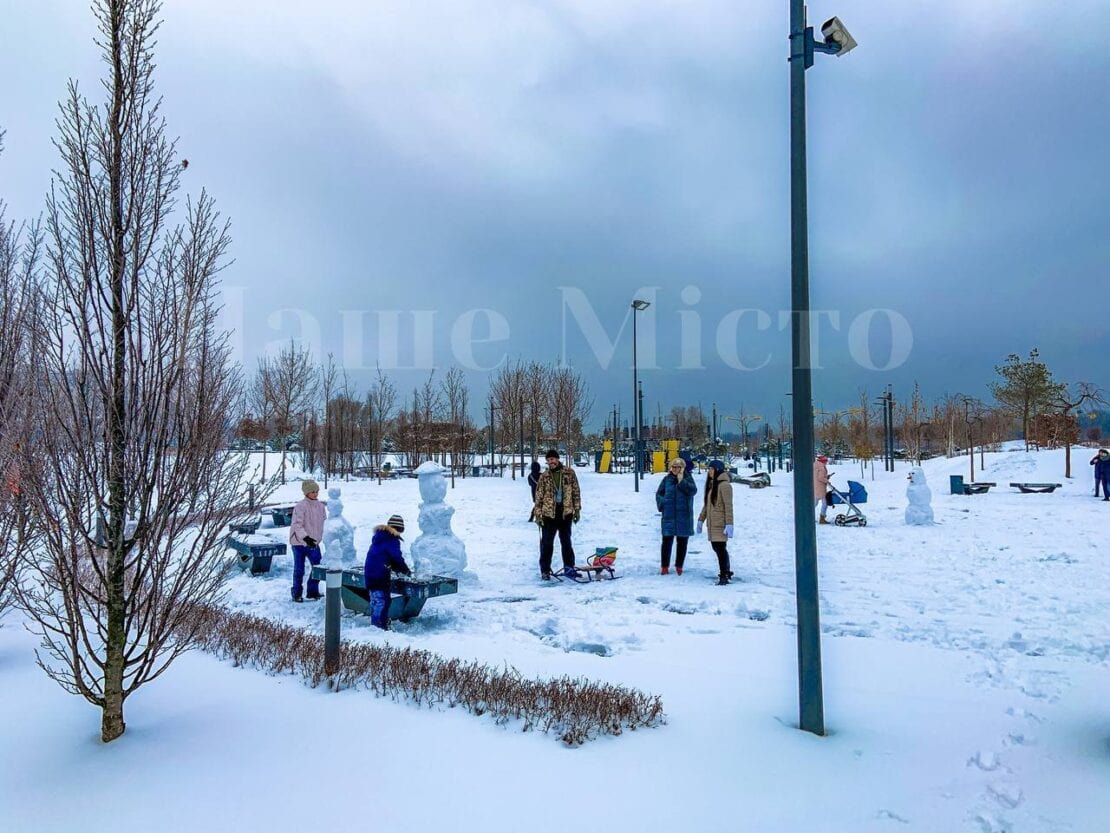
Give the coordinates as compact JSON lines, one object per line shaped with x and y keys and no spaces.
{"x":699,"y":527}
{"x":728,"y":530}
{"x":577,"y":515}
{"x":311,"y":543}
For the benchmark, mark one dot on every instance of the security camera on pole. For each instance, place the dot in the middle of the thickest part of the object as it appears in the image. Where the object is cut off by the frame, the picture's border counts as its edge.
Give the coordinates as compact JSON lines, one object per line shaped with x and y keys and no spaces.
{"x":802,"y":46}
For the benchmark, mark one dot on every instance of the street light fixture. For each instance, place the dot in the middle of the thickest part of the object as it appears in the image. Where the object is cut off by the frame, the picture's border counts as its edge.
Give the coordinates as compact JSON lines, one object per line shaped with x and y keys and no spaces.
{"x":637,"y":306}
{"x":802,"y":46}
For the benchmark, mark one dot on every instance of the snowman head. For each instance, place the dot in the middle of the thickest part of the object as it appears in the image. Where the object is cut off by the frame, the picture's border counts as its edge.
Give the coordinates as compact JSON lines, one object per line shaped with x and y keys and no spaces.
{"x":916,"y":476}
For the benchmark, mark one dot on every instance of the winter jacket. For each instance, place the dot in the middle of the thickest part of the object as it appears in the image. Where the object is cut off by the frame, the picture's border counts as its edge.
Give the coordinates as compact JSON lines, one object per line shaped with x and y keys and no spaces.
{"x":820,"y":480}
{"x":384,"y":555}
{"x":675,"y":499}
{"x":534,"y":479}
{"x":545,"y":493}
{"x":1102,"y":467}
{"x":308,"y":522}
{"x":717,"y":515}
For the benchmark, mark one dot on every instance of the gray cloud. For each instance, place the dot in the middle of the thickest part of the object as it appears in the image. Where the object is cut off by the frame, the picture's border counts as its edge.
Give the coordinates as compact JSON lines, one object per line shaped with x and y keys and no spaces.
{"x":448,"y":157}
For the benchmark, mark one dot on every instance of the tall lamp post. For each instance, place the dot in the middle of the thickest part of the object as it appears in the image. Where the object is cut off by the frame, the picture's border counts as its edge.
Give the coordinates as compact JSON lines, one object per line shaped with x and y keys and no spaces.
{"x":802,"y":46}
{"x":637,"y":306}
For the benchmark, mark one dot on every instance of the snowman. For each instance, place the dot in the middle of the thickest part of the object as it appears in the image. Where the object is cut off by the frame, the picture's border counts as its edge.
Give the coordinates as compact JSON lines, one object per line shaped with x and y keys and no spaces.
{"x":919,"y":512}
{"x":437,"y":551}
{"x":339,"y":536}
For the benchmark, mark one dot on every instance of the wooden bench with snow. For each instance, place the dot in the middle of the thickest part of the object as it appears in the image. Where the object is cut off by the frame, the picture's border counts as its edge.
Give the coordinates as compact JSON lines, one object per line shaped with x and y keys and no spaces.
{"x":1036,"y":488}
{"x":980,"y":487}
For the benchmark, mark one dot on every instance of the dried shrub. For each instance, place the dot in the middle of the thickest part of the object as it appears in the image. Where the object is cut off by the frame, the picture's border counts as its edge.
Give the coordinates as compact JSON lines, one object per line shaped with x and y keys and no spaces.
{"x":573,"y":709}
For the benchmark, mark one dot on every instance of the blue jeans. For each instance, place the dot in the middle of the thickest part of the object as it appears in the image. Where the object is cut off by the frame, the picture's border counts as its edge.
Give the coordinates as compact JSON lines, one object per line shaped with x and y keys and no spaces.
{"x":379,"y":608}
{"x":300,"y":553}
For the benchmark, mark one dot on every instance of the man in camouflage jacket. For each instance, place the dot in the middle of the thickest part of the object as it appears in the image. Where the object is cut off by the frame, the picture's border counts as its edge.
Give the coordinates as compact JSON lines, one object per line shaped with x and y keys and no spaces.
{"x":558,"y":505}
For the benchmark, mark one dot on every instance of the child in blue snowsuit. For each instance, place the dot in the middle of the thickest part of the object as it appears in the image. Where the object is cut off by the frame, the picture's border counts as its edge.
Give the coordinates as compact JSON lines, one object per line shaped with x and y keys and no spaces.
{"x":384,"y":555}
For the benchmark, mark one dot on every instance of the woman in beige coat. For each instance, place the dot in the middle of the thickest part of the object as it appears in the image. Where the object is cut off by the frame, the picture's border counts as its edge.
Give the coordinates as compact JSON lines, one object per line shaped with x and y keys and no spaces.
{"x":716,"y":515}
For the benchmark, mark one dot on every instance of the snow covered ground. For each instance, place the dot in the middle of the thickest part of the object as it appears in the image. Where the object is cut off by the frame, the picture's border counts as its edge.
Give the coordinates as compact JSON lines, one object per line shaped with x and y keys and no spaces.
{"x":966,"y":668}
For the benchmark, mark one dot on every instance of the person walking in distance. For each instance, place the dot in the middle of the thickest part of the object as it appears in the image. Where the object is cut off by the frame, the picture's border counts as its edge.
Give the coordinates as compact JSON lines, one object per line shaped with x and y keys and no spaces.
{"x":557,"y":506}
{"x":821,"y":485}
{"x":675,"y":500}
{"x":533,"y":481}
{"x":1101,"y":462}
{"x":716,"y":516}
{"x":305,"y":531}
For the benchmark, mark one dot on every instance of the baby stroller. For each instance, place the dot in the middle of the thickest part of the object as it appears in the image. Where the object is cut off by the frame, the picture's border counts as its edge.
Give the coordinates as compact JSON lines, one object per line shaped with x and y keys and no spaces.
{"x":856,"y":494}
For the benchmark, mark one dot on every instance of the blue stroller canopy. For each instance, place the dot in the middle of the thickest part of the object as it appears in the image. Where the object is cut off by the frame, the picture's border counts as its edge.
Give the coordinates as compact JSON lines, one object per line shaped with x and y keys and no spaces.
{"x":856,"y":494}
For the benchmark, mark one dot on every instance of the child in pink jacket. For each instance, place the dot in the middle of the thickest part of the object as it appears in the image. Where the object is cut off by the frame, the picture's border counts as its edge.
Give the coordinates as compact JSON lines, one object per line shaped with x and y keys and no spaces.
{"x":304,"y":536}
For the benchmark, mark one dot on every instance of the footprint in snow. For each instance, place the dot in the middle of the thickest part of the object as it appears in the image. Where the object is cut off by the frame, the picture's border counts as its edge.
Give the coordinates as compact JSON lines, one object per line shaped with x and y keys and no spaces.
{"x":984,"y":760}
{"x":891,"y":816}
{"x":1008,"y":795}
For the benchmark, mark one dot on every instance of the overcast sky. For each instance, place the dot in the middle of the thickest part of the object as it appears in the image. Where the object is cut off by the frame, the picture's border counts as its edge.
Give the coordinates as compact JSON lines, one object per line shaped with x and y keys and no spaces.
{"x":436,"y":182}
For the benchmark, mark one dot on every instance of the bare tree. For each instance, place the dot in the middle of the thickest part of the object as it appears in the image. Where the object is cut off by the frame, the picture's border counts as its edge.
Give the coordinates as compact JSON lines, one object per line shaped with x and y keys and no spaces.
{"x":456,"y":393}
{"x":509,"y":389}
{"x":861,"y":432}
{"x":140,"y":385}
{"x":328,"y":373}
{"x":569,"y":406}
{"x":912,"y":420}
{"x":536,"y":387}
{"x":21,"y":333}
{"x":1065,"y":402}
{"x":381,"y":398}
{"x":262,"y":405}
{"x":291,"y":386}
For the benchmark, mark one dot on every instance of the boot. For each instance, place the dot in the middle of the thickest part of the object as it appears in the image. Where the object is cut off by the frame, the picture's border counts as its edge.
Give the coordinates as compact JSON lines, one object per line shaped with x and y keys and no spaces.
{"x":823,"y":520}
{"x":678,"y":570}
{"x":664,"y":570}
{"x":722,"y":579}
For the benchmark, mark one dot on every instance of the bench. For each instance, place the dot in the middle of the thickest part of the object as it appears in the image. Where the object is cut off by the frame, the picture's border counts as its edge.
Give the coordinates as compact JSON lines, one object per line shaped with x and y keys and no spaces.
{"x":978,"y":488}
{"x":958,"y":487}
{"x":245,"y":526}
{"x":1036,"y":488}
{"x":408,"y":594}
{"x":258,"y":557}
{"x":280,"y":515}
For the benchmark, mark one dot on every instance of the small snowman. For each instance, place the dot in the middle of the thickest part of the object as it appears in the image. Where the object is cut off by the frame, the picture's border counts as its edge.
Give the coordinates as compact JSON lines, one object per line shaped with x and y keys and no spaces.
{"x":339,"y":536}
{"x":919,"y":512}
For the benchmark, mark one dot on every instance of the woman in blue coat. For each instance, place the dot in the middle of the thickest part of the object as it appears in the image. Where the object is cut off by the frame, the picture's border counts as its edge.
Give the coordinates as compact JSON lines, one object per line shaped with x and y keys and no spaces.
{"x":675,"y":499}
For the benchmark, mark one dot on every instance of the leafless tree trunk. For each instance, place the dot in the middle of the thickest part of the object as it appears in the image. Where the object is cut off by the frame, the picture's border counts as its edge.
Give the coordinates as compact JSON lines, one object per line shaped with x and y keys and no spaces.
{"x":537,"y":386}
{"x":509,"y":390}
{"x":140,"y":385}
{"x":291,"y":386}
{"x":382,"y":397}
{"x":21,"y":336}
{"x":258,"y":396}
{"x":327,"y":386}
{"x":570,"y":404}
{"x":1065,"y":402}
{"x":457,"y":396}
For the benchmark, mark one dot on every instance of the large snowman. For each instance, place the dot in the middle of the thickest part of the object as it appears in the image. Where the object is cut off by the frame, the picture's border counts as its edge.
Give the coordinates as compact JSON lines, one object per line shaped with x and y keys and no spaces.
{"x":437,"y":551}
{"x":919,"y":512}
{"x":339,"y":536}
